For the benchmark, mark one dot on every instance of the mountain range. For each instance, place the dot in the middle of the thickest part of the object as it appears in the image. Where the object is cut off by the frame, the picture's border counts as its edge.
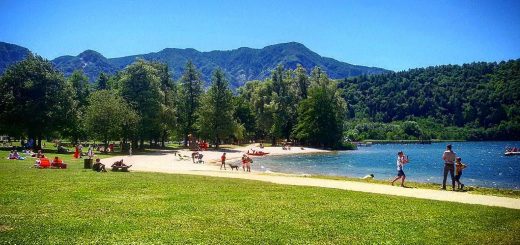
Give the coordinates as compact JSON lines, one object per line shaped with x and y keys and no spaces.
{"x":240,"y":65}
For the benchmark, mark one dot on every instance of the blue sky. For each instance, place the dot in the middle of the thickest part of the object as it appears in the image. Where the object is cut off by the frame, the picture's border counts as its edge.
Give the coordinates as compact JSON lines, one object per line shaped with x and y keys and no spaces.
{"x":392,"y":34}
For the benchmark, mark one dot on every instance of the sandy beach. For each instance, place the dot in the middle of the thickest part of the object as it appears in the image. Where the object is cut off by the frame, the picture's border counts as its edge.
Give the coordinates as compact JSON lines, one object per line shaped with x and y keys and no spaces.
{"x":180,"y":162}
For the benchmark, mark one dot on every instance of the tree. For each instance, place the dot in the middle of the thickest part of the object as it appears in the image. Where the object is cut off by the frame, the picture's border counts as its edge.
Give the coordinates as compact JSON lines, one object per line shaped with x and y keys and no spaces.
{"x":81,"y":90}
{"x":215,"y":115}
{"x":140,"y":86}
{"x":35,"y":99}
{"x":282,"y":105}
{"x":301,"y":83}
{"x":109,"y":117}
{"x":321,"y":115}
{"x":189,"y":95}
{"x":168,"y":115}
{"x":102,"y":81}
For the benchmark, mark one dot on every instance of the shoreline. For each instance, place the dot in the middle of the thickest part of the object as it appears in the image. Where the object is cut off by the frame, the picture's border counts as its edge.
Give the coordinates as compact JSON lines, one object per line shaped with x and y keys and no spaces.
{"x":181,"y":163}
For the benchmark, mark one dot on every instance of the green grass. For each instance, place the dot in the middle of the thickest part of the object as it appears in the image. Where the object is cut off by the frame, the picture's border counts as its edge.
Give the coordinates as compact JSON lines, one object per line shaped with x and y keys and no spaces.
{"x":81,"y":206}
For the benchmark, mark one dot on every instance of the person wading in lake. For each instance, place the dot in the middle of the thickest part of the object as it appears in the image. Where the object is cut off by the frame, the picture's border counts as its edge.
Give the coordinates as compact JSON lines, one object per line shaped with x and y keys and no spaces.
{"x":449,"y":166}
{"x":401,"y":161}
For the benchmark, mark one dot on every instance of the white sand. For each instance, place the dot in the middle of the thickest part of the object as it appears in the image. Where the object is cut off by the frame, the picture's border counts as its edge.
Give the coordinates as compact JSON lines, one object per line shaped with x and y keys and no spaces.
{"x":168,"y":162}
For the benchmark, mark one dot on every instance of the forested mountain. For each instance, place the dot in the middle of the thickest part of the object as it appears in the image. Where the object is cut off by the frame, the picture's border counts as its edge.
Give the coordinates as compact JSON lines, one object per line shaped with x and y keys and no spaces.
{"x":10,"y":54}
{"x":246,"y":64}
{"x":483,"y":97}
{"x":90,"y":62}
{"x":239,"y":65}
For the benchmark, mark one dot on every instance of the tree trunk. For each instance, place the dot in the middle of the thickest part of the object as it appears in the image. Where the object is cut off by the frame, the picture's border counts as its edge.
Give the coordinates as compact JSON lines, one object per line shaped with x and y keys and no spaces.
{"x":39,"y":142}
{"x":273,"y":141}
{"x":163,"y":139}
{"x":106,"y":145}
{"x":217,"y":143}
{"x":141,"y":146}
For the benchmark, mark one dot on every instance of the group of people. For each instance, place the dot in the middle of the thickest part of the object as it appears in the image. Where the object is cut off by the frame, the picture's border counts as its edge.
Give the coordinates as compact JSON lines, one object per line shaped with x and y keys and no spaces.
{"x":512,"y":149}
{"x":100,"y":167}
{"x":13,"y":155}
{"x":246,"y":163}
{"x":452,"y":165}
{"x":44,"y":162}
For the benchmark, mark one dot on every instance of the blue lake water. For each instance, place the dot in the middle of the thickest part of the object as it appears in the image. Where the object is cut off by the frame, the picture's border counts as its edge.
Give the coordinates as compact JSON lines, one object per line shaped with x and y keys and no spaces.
{"x":487,"y":165}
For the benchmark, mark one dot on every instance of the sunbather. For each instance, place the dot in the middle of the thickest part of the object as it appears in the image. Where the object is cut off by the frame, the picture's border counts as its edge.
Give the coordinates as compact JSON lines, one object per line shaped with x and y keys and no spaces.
{"x":98,"y":166}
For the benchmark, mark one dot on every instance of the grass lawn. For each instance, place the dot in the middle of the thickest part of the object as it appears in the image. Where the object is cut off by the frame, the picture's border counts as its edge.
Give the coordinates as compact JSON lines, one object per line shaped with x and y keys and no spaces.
{"x":81,"y":206}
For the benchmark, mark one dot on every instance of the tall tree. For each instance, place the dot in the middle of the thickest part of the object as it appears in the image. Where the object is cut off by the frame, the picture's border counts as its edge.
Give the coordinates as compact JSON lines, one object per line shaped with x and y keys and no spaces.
{"x":189,"y":95}
{"x":81,"y":90}
{"x":141,"y":88}
{"x":321,"y":115}
{"x":168,"y":115}
{"x":35,"y":99}
{"x":301,"y":82}
{"x":102,"y":81}
{"x":215,"y":116}
{"x":281,"y":104}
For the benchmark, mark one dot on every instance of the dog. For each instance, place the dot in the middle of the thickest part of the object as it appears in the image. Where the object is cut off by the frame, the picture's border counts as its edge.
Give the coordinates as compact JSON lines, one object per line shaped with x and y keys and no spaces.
{"x":233,"y":165}
{"x":368,"y":177}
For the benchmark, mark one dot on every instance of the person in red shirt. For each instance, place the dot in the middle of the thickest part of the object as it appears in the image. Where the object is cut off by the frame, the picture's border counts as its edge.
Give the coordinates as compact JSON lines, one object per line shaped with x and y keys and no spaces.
{"x":223,"y":159}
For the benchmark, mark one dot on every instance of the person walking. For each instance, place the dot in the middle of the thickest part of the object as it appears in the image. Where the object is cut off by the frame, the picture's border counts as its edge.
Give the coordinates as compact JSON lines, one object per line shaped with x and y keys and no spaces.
{"x":223,"y":160}
{"x":401,"y":161}
{"x":449,"y":166}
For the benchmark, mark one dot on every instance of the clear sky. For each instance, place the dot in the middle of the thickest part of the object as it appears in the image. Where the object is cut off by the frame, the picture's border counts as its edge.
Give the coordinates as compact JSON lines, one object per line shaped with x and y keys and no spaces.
{"x":392,"y":34}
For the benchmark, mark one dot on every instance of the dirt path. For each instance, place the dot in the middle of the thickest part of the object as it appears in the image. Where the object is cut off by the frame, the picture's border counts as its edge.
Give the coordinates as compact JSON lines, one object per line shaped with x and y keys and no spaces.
{"x":167,"y":162}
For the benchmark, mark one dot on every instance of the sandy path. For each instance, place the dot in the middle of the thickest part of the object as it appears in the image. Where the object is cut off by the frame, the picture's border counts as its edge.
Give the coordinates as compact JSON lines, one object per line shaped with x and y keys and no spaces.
{"x":168,"y":162}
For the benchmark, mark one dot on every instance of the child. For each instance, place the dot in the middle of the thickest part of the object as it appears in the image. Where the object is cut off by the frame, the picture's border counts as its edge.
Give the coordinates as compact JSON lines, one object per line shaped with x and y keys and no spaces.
{"x":401,"y":161}
{"x":459,"y":166}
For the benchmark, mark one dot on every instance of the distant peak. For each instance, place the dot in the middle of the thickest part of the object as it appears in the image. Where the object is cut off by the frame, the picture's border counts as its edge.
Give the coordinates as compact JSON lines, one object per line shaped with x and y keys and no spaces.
{"x":289,"y":44}
{"x":89,"y":53}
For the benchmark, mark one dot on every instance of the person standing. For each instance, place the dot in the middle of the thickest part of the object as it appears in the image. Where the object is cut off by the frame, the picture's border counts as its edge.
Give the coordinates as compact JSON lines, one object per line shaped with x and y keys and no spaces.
{"x":248,"y":163}
{"x":244,"y":162}
{"x":458,"y":172}
{"x":90,"y":152}
{"x":223,"y":160}
{"x":449,"y":166}
{"x":401,"y":161}
{"x":80,"y":149}
{"x":76,"y":152}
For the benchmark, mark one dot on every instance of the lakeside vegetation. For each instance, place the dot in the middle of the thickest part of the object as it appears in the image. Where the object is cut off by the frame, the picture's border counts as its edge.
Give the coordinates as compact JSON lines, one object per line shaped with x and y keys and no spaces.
{"x":477,"y":101}
{"x":55,"y":205}
{"x":141,"y":103}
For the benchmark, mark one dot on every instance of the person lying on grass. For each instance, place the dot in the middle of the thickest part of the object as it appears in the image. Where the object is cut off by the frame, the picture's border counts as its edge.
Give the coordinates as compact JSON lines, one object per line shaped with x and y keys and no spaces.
{"x":119,"y":164}
{"x":401,"y":161}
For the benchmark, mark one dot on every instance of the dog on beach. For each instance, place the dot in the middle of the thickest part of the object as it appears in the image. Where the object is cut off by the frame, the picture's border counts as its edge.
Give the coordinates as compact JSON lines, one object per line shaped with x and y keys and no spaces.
{"x":370,"y":176}
{"x":233,"y":166}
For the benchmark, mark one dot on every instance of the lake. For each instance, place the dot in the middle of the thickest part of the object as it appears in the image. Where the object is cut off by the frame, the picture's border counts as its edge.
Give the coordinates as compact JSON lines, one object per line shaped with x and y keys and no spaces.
{"x":487,"y":165}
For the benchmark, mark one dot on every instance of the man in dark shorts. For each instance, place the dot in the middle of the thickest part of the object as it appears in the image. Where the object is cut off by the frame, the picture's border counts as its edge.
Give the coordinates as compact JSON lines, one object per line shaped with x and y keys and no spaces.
{"x":449,"y":166}
{"x":401,"y":161}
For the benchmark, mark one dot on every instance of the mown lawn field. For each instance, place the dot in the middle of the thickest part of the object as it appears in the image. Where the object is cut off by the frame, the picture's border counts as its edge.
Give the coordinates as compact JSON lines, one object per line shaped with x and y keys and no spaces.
{"x":81,"y":206}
